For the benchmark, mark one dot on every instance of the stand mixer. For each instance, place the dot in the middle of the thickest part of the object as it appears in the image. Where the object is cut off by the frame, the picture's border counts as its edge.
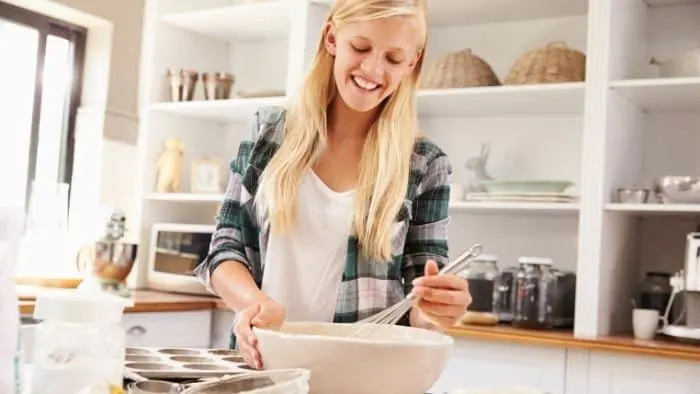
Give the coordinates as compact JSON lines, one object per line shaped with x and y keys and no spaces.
{"x":108,"y":261}
{"x":686,"y":284}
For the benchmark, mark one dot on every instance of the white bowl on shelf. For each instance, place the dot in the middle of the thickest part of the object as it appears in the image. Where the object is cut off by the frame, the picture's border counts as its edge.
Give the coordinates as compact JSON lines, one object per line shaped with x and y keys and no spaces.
{"x":386,"y":359}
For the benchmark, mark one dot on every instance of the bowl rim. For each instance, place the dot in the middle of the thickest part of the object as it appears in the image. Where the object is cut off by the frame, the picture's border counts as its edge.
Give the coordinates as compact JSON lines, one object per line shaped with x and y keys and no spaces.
{"x":441,"y":339}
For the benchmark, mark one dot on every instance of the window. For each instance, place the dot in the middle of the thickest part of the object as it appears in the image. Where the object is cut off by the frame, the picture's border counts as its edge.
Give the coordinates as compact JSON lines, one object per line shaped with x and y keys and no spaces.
{"x":42,"y":64}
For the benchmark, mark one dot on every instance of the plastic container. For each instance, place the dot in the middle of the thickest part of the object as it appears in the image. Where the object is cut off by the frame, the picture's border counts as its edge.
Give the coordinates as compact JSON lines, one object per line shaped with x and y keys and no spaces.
{"x":11,"y":222}
{"x":80,"y":344}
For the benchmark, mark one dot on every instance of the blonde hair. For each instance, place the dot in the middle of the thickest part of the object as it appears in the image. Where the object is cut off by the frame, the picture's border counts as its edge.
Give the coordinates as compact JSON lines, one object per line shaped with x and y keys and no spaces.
{"x":385,"y":159}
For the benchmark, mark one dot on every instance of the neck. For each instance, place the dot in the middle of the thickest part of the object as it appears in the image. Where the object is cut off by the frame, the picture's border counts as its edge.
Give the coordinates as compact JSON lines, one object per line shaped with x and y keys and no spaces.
{"x":344,"y":123}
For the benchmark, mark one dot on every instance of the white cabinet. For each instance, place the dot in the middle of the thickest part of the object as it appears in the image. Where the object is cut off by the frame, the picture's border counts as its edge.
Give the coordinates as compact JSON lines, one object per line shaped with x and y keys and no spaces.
{"x":222,"y":323}
{"x":616,"y":374}
{"x":182,"y":329}
{"x":477,"y":364}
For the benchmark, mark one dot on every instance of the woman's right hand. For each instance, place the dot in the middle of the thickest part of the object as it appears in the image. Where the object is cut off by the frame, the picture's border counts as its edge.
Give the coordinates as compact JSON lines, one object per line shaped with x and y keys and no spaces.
{"x":263,"y":314}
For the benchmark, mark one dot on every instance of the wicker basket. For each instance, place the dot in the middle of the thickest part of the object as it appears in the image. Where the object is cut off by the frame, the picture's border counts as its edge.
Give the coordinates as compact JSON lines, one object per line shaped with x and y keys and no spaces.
{"x":459,"y":70}
{"x":555,"y":62}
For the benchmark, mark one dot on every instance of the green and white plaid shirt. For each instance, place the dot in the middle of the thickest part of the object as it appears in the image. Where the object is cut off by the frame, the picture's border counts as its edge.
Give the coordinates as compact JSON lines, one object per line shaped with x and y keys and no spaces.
{"x":420,"y":229}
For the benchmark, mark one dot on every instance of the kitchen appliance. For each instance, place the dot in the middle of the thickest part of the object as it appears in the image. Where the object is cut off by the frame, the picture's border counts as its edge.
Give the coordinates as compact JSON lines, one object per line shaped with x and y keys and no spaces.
{"x":175,"y":250}
{"x":108,"y":261}
{"x":686,"y":284}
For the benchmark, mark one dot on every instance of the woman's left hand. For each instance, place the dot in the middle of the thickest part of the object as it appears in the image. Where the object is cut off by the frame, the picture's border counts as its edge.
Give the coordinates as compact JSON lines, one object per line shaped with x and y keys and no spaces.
{"x":442,"y":299}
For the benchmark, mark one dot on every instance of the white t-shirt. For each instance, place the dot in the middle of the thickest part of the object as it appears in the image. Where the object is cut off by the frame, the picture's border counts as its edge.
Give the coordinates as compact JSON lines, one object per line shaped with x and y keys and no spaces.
{"x":303,"y":268}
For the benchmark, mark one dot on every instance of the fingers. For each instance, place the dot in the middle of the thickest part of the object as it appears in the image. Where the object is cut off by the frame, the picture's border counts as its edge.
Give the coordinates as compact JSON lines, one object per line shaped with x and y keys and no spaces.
{"x":451,"y":282}
{"x":431,"y":268}
{"x":438,"y":310}
{"x":447,"y":297}
{"x":246,"y":339}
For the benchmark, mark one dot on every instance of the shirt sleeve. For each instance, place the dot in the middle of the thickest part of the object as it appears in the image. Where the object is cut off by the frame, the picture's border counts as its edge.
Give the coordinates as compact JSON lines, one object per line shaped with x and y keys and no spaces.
{"x":427,"y":231}
{"x":227,"y":241}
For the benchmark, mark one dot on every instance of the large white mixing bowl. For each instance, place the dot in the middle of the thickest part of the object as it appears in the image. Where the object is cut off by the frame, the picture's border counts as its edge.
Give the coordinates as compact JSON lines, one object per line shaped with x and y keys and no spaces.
{"x":385,"y":359}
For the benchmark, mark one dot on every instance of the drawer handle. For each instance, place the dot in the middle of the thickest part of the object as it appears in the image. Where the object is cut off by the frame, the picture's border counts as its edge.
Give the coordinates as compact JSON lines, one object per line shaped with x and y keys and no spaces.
{"x":136,"y":330}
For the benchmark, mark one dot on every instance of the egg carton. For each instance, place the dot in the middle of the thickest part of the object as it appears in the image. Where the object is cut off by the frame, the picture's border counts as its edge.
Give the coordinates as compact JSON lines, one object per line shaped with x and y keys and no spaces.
{"x":184,"y":363}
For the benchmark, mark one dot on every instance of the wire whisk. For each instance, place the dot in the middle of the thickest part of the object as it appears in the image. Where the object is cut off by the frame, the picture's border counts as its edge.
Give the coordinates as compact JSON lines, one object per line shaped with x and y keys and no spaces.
{"x":393,"y":313}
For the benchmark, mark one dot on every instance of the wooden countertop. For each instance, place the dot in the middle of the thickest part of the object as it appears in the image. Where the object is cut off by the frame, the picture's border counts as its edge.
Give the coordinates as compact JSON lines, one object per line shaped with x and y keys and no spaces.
{"x":144,"y":301}
{"x":157,"y":301}
{"x":620,"y":344}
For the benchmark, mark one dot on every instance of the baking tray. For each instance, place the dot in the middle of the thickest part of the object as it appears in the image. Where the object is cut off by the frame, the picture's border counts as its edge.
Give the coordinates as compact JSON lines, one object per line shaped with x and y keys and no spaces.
{"x":184,"y":363}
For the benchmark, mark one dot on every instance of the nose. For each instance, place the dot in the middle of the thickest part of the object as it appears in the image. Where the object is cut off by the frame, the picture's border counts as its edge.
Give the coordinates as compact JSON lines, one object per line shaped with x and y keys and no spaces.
{"x":372,"y":66}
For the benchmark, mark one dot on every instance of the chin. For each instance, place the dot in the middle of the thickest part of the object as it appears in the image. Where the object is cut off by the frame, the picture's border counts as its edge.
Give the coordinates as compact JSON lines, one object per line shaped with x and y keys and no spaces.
{"x":359,"y":100}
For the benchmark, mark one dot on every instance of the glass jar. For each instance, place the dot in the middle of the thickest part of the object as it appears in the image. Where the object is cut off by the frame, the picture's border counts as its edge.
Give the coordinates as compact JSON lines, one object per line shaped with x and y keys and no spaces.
{"x":531,"y":303}
{"x":80,"y":343}
{"x":481,"y":274}
{"x":656,"y":291}
{"x":503,"y":294}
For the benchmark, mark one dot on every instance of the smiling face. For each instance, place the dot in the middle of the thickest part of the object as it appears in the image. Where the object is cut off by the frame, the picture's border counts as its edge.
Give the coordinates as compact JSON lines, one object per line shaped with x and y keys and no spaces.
{"x":372,"y":58}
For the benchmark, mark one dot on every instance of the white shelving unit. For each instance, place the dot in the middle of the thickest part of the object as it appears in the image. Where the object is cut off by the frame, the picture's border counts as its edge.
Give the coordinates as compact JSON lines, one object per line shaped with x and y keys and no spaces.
{"x":622,"y":126}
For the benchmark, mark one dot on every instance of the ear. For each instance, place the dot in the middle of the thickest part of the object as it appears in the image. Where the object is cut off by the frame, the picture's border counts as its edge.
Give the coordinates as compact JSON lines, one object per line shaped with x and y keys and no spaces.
{"x":414,"y":62}
{"x":329,"y":38}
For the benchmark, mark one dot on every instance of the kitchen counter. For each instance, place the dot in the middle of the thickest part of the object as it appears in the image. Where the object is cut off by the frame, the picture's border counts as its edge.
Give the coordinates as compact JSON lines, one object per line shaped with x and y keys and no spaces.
{"x":617,"y":344}
{"x":157,"y":301}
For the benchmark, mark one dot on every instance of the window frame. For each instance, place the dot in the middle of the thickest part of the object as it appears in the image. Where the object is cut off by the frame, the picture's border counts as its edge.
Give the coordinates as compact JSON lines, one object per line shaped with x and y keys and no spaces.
{"x":77,"y":36}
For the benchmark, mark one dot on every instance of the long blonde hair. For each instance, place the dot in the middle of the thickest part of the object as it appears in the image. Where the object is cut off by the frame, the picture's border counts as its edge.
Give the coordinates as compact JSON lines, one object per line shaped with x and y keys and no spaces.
{"x":385,"y":159}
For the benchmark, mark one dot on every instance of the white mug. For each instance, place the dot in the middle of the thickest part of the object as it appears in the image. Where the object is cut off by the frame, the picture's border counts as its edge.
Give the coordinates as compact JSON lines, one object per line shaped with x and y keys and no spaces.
{"x":645,"y":323}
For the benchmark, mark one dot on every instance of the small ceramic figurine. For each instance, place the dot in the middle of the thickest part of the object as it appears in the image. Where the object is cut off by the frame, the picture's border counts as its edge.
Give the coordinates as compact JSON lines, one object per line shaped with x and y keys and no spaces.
{"x":476,"y":170}
{"x":170,"y":166}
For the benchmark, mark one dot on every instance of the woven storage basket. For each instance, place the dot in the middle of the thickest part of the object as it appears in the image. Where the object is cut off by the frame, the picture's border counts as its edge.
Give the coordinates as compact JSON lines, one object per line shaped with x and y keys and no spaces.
{"x":555,"y":62}
{"x":459,"y":69}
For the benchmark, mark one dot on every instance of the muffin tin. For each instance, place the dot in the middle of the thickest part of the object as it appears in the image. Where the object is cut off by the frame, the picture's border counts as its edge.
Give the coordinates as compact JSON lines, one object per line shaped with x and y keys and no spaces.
{"x":184,"y":363}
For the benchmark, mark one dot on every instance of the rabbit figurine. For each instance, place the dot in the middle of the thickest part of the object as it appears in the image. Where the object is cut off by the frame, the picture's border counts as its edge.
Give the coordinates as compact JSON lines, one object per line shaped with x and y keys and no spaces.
{"x":476,"y":170}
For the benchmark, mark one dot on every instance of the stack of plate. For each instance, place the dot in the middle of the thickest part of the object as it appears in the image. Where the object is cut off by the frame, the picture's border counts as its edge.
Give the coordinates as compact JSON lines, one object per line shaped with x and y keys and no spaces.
{"x":524,"y":191}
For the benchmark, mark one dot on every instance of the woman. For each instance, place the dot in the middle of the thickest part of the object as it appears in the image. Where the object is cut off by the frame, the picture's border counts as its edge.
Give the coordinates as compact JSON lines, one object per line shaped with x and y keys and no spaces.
{"x":338,"y":198}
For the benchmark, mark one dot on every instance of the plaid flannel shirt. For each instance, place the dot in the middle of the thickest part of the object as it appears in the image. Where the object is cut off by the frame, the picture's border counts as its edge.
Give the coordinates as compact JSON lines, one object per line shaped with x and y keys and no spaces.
{"x":419,"y":231}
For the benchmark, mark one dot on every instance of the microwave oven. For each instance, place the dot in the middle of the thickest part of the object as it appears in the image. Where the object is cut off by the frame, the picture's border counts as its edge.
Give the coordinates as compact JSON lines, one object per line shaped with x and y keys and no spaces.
{"x":175,"y":250}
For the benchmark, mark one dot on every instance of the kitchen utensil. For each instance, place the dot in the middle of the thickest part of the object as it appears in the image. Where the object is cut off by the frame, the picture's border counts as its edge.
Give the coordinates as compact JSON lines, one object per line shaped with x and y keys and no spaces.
{"x":281,"y":381}
{"x":526,"y":186}
{"x":394,"y":359}
{"x":182,"y":84}
{"x":217,"y":86}
{"x":108,"y":261}
{"x":393,"y":313}
{"x":632,"y":195}
{"x":183,"y":363}
{"x":682,"y":189}
{"x":154,"y":387}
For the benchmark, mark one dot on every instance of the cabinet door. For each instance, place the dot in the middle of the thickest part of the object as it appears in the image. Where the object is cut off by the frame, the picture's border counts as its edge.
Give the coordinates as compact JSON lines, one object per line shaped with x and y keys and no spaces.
{"x":616,"y":374}
{"x":222,"y":323}
{"x":478,"y":364}
{"x":167,"y":329}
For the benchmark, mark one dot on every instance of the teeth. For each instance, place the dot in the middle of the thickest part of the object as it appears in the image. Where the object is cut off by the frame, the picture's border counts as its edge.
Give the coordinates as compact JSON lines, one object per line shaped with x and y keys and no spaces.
{"x":364,"y":84}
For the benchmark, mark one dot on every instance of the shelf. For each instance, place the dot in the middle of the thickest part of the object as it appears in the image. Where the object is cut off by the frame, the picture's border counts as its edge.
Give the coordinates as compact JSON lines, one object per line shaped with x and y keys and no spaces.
{"x":664,"y":3}
{"x":461,"y":12}
{"x":549,"y":99}
{"x":231,"y":110}
{"x":186,"y":197}
{"x":653,"y":209}
{"x":247,"y":21}
{"x":662,"y":94}
{"x":514,"y":207}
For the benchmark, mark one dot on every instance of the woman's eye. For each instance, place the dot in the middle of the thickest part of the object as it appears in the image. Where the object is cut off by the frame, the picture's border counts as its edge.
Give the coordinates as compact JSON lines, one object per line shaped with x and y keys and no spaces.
{"x":359,"y":49}
{"x":393,"y":60}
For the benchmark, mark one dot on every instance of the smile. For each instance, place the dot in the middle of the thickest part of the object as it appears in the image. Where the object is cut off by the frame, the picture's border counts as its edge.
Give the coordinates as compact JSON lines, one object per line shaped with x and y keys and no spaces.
{"x":364,"y":84}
